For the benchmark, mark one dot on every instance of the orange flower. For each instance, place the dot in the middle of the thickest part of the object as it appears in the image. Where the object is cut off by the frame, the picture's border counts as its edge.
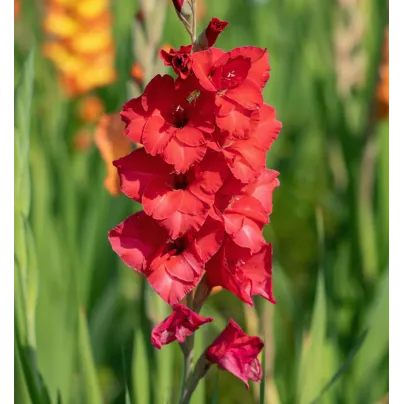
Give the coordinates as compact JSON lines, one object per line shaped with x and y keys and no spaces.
{"x":137,"y":73}
{"x":112,"y":144}
{"x":166,"y":47}
{"x":383,"y":88}
{"x":90,"y":109}
{"x":80,"y":43}
{"x":82,"y":140}
{"x":17,"y":7}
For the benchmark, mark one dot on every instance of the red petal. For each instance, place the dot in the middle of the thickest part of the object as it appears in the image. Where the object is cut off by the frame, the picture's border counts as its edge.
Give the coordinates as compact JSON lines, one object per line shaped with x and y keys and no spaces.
{"x":182,"y":323}
{"x":178,"y":224}
{"x":135,"y":118}
{"x":262,"y":188}
{"x":258,"y":269}
{"x":160,"y":201}
{"x":225,"y":106}
{"x":249,"y":236}
{"x":137,"y":240}
{"x":209,"y":176}
{"x":259,"y":71}
{"x":249,"y":207}
{"x":268,"y":129}
{"x":247,"y":94}
{"x":156,"y":135}
{"x":168,"y":288}
{"x":208,"y":240}
{"x":185,"y":268}
{"x":239,"y":123}
{"x":191,"y":136}
{"x":136,"y":171}
{"x":203,"y":63}
{"x":151,"y":98}
{"x":182,"y":156}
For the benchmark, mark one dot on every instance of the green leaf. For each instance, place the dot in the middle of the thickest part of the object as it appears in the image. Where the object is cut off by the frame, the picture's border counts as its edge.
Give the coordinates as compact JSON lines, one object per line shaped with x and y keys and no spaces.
{"x":127,"y":396}
{"x":311,"y":370}
{"x":140,"y":369}
{"x":91,"y":386}
{"x":22,"y":119}
{"x":33,"y":380}
{"x":343,"y":368}
{"x":215,"y":398}
{"x":311,"y":373}
{"x":375,"y":348}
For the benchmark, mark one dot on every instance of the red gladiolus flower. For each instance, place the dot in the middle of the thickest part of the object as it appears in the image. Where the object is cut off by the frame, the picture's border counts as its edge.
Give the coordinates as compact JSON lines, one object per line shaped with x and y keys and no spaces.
{"x":182,"y":323}
{"x":179,"y":202}
{"x":233,"y":350}
{"x":245,"y":148}
{"x":180,"y":60}
{"x":173,"y":268}
{"x":245,"y":208}
{"x":241,"y":273}
{"x":176,"y":126}
{"x":209,"y":35}
{"x":237,"y":77}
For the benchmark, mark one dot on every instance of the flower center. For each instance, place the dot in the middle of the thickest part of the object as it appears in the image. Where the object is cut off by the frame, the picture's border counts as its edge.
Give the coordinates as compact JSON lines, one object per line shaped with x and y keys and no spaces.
{"x":180,"y":118}
{"x":180,"y":181}
{"x":176,"y":247}
{"x":178,"y":61}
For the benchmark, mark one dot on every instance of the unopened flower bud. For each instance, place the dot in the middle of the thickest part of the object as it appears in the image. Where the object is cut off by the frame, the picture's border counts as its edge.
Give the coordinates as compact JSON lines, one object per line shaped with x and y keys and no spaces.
{"x":208,"y":36}
{"x":183,"y":7}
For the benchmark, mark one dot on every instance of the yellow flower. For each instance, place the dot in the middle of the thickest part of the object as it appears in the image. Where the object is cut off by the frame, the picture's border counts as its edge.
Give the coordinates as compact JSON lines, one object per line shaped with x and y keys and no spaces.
{"x":80,"y":43}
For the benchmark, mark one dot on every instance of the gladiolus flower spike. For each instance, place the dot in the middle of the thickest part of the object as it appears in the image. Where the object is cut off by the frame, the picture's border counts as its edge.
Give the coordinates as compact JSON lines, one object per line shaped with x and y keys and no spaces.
{"x":201,"y":177}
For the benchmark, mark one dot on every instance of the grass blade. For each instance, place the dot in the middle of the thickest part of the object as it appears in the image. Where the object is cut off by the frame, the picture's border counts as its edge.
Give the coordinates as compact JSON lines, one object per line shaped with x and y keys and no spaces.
{"x":343,"y":368}
{"x":311,"y":372}
{"x":140,"y":370}
{"x":375,"y":347}
{"x":215,"y":398}
{"x":91,"y":387}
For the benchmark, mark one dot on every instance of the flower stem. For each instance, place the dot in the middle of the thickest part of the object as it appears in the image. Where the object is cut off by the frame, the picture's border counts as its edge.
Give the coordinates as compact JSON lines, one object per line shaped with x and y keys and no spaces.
{"x":187,"y":348}
{"x":193,"y":22}
{"x":200,"y":371}
{"x":188,"y":358}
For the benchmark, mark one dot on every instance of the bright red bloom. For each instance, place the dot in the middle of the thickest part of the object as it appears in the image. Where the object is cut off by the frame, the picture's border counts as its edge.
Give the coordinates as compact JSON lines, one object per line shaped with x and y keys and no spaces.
{"x":173,"y":268}
{"x":236,"y":77}
{"x":182,"y":323}
{"x":243,"y":274}
{"x":233,"y":350}
{"x":180,"y":60}
{"x":173,"y":120}
{"x":209,"y":35}
{"x":244,"y":147}
{"x":244,"y":209}
{"x":179,"y":202}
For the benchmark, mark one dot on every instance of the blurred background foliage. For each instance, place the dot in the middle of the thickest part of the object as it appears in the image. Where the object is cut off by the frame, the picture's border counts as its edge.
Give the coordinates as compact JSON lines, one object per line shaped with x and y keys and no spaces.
{"x":83,"y":320}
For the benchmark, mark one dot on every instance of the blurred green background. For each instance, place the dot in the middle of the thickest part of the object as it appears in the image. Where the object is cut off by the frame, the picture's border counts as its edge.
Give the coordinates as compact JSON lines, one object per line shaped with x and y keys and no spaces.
{"x":83,"y":320}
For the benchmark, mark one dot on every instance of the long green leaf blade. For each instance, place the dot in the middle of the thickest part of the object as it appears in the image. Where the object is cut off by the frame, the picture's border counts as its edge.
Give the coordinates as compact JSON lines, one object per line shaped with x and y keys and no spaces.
{"x":91,"y":390}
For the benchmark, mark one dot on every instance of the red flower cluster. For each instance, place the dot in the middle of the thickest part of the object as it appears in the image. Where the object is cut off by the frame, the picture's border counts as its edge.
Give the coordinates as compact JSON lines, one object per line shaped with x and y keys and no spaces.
{"x":205,"y":191}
